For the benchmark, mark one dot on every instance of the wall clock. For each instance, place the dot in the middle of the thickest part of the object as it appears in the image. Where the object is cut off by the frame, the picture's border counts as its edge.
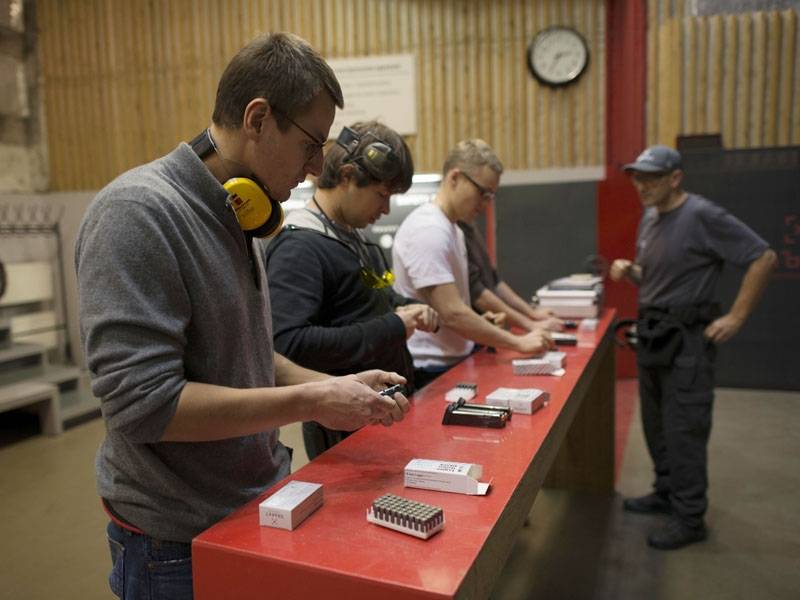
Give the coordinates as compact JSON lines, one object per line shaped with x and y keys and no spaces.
{"x":558,"y":55}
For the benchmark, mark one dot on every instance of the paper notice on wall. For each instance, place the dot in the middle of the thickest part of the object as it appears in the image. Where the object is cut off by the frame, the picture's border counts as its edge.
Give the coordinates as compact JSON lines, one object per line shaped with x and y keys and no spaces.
{"x":378,"y":87}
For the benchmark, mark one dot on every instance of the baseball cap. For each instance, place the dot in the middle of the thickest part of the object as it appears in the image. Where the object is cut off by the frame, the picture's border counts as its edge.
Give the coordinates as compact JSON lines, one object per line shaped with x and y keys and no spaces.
{"x":656,"y":159}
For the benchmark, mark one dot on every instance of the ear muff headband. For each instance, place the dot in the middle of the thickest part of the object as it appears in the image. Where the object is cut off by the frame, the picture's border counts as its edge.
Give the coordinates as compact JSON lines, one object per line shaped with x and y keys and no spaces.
{"x":258,"y":214}
{"x":377,"y":158}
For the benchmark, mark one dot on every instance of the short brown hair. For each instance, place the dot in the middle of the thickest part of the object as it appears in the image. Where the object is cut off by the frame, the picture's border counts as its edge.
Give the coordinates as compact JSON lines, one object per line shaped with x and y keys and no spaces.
{"x":468,"y":155}
{"x":369,"y":132}
{"x":280,"y":67}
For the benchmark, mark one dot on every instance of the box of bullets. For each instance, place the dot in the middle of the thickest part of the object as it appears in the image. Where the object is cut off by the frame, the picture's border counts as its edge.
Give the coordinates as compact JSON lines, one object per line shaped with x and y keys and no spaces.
{"x":520,"y":400}
{"x":445,"y":476}
{"x":290,"y":505}
{"x":557,"y":359}
{"x":467,"y":391}
{"x":406,"y":516}
{"x":535,"y":366}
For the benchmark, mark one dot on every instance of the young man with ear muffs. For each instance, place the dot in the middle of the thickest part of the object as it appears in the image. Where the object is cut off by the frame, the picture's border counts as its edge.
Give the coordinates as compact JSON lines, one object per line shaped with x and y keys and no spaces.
{"x":332,"y":301}
{"x":176,"y":323}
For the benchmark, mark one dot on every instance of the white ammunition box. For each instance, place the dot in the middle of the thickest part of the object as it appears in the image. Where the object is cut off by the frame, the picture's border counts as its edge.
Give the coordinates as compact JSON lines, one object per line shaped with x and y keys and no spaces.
{"x":290,"y":505}
{"x":444,"y":476}
{"x":520,"y":400}
{"x":557,"y":359}
{"x":534,"y":366}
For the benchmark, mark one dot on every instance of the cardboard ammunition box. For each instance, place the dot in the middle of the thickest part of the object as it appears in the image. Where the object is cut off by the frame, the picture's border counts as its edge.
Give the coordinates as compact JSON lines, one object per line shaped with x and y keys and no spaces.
{"x":290,"y":505}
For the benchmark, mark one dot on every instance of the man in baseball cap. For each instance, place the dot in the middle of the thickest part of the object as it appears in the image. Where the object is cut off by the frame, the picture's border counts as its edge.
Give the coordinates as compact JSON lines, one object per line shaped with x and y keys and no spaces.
{"x":656,"y":159}
{"x":683,"y":242}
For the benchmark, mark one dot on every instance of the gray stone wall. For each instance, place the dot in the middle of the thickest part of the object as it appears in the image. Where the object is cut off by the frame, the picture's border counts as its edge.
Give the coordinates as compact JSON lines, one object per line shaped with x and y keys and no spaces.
{"x":23,"y":152}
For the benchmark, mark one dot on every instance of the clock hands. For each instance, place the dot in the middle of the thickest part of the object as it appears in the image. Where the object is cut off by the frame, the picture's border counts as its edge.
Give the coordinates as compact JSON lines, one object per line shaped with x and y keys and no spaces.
{"x":556,"y":57}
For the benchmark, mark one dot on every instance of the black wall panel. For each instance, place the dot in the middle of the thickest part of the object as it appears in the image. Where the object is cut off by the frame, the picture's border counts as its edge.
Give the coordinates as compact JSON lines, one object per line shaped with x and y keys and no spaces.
{"x":544,"y":231}
{"x":762,"y":188}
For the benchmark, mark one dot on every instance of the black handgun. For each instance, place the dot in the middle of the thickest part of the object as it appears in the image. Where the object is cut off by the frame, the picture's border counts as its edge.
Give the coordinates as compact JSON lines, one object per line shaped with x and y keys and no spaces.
{"x":392,"y":390}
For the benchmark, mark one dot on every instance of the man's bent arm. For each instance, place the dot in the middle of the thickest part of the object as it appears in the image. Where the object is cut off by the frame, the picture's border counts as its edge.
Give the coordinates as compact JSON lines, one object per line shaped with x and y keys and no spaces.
{"x":490,"y":301}
{"x":211,"y":412}
{"x":290,"y":373}
{"x":753,"y":283}
{"x":459,"y":317}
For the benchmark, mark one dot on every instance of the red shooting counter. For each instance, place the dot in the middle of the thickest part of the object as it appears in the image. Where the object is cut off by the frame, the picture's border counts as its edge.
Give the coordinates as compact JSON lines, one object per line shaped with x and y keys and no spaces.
{"x":336,"y":553}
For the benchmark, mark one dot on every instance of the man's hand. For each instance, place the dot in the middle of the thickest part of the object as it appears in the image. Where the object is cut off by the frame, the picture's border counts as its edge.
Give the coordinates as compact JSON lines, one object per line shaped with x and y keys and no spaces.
{"x":495,"y":318}
{"x":724,"y":328}
{"x":418,"y":316}
{"x":540,"y":313}
{"x":535,"y":343}
{"x":380,"y":380}
{"x":620,"y":269}
{"x":550,"y":324}
{"x":348,"y":403}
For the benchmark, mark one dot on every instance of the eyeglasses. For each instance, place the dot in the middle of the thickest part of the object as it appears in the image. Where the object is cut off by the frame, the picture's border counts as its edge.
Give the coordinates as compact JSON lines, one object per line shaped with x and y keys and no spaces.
{"x":311,"y":149}
{"x":486,"y":193}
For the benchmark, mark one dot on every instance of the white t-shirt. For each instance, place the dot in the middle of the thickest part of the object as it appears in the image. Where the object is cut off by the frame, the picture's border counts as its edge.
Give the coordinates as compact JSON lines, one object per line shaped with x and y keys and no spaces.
{"x":430,"y":250}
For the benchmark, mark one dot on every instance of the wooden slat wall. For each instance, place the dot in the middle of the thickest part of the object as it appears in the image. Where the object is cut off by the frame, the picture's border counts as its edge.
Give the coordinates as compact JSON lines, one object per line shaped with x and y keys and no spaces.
{"x":738,"y":75}
{"x":125,"y":80}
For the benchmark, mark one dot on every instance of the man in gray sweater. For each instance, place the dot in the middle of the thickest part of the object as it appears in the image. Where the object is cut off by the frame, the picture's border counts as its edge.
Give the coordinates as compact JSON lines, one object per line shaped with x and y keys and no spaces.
{"x":176,"y":323}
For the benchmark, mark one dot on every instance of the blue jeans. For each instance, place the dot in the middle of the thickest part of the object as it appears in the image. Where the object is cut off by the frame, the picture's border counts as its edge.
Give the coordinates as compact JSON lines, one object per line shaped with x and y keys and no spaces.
{"x":144,"y":568}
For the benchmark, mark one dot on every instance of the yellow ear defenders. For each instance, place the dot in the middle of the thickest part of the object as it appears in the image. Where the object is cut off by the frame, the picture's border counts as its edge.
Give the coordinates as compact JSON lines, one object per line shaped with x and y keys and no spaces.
{"x":258,"y":214}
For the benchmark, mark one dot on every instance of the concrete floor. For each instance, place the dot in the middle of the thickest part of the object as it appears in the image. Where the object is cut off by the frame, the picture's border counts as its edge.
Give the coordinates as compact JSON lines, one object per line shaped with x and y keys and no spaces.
{"x":52,"y":538}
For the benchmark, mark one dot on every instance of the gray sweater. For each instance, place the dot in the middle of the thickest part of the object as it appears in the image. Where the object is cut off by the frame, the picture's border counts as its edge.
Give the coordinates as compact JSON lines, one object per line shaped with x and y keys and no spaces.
{"x":168,"y":295}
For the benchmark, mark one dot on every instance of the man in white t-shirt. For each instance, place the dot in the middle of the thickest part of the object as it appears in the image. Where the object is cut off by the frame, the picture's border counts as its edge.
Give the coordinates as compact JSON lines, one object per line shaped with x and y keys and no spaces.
{"x":430,"y":263}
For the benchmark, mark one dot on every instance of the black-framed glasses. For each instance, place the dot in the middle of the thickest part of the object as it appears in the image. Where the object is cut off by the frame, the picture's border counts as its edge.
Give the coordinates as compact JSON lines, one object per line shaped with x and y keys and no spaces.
{"x":486,"y":193}
{"x":312,"y":149}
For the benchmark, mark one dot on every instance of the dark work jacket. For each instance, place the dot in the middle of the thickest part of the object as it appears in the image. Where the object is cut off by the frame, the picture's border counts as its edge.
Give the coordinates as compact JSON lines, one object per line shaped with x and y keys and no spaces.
{"x":662,"y":333}
{"x":324,"y":316}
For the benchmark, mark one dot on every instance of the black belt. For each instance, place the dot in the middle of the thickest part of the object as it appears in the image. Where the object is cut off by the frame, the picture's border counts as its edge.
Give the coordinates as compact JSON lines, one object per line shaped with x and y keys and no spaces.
{"x":687,"y":314}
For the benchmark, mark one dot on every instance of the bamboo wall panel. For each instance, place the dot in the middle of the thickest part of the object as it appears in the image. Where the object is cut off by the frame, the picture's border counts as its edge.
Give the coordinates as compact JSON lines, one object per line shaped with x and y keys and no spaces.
{"x":125,"y":80}
{"x":738,"y":75}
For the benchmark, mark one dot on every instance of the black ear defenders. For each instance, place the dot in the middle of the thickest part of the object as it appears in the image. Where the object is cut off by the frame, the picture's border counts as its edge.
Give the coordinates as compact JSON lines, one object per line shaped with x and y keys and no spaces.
{"x":377,"y":158}
{"x":258,"y":214}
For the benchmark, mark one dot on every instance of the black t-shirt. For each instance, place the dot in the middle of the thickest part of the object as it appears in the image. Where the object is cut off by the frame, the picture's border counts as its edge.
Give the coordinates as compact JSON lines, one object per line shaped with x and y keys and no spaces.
{"x":482,"y":274}
{"x":324,"y":316}
{"x":682,"y":252}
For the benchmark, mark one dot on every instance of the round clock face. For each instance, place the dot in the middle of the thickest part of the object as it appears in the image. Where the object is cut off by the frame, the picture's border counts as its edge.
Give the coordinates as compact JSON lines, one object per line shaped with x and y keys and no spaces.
{"x":558,"y":55}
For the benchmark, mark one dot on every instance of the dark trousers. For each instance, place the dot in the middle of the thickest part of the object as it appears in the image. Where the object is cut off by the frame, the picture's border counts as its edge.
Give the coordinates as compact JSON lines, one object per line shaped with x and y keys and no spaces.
{"x":676,"y":403}
{"x":424,"y":376}
{"x":317,"y":438}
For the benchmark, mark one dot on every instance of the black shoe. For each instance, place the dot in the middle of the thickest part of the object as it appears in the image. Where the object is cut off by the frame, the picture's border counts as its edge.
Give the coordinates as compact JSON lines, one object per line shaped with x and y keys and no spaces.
{"x":676,"y":534}
{"x":649,"y":504}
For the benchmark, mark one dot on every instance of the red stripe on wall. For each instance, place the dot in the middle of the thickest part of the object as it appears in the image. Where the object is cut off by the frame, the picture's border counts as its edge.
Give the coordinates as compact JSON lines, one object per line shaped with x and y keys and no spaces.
{"x":618,"y":208}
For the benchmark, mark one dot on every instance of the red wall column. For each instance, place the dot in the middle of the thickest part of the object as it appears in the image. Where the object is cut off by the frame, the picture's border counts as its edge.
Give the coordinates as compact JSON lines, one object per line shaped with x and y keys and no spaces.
{"x":618,"y":208}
